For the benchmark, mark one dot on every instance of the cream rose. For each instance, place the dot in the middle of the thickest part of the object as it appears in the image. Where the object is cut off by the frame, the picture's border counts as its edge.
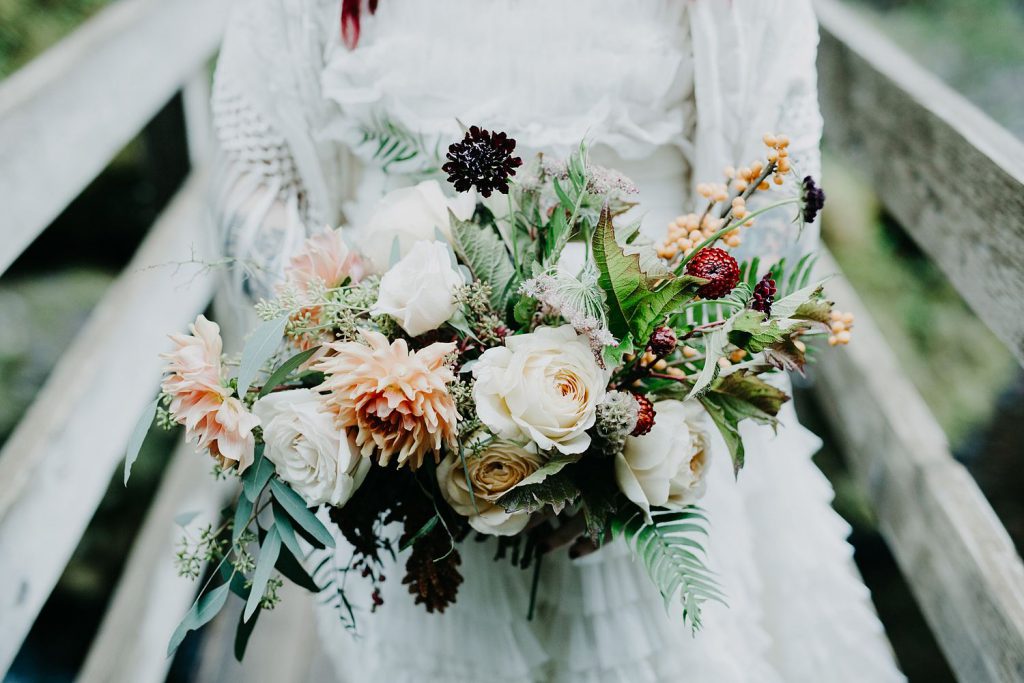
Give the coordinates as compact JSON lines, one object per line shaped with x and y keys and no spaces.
{"x":667,"y":466}
{"x":307,"y":449}
{"x":492,"y":471}
{"x":419,"y":291}
{"x":544,"y":386}
{"x":410,"y":214}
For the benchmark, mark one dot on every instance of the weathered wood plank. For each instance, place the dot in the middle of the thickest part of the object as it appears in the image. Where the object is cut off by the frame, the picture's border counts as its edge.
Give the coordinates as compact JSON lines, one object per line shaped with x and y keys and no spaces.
{"x":954,"y":552}
{"x":65,"y":115}
{"x":953,"y":177}
{"x":150,"y":599}
{"x":56,"y":465}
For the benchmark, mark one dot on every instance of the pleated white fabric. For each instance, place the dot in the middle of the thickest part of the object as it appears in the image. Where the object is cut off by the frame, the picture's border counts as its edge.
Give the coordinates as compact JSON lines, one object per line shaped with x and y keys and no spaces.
{"x":667,"y":91}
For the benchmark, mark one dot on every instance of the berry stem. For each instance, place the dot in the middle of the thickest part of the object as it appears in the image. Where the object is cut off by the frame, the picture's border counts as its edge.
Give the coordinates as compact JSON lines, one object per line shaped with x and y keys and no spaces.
{"x":729,"y":228}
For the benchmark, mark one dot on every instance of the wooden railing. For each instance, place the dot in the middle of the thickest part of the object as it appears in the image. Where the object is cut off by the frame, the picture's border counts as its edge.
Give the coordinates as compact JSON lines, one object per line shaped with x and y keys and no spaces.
{"x":954,"y":179}
{"x":62,"y":120}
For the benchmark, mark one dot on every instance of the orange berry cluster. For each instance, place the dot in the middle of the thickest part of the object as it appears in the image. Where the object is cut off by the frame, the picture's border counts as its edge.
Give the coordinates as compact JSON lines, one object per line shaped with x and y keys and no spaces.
{"x":686,"y":232}
{"x":840,"y":328}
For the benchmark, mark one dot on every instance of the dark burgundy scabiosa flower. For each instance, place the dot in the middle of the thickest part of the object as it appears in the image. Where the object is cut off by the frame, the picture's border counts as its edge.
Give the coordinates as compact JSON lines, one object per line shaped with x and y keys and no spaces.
{"x":645,"y":415}
{"x":764,"y":295}
{"x":718,"y":268}
{"x":812,"y":198}
{"x":482,"y":159}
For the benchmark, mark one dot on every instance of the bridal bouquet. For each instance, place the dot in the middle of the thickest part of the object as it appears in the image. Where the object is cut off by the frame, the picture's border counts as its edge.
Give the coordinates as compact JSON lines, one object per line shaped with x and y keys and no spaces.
{"x":498,"y":361}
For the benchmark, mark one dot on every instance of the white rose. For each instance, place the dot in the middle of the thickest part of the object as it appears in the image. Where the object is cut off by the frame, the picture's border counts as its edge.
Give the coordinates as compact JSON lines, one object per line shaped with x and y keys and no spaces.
{"x":495,"y":469}
{"x":309,"y":452}
{"x":410,"y":214}
{"x":667,"y":466}
{"x":419,"y":291}
{"x":544,"y":386}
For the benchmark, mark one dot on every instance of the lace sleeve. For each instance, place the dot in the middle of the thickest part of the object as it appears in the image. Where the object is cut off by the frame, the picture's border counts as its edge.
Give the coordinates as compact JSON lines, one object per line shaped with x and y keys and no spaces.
{"x":769,"y":85}
{"x":272,"y":179}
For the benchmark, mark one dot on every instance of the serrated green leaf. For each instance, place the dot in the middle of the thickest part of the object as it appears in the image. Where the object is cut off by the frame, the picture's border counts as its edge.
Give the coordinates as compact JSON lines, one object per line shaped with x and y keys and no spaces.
{"x":202,"y":611}
{"x":787,"y":306}
{"x":269,"y":551}
{"x":138,"y":437}
{"x":749,"y":388}
{"x":557,"y":489}
{"x":261,"y":345}
{"x":484,"y":253}
{"x":636,"y":301}
{"x":280,"y":376}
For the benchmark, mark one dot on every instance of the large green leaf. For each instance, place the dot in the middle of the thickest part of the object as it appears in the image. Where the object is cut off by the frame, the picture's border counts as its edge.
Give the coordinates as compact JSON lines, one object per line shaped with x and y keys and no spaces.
{"x":483,"y":251}
{"x":636,"y":301}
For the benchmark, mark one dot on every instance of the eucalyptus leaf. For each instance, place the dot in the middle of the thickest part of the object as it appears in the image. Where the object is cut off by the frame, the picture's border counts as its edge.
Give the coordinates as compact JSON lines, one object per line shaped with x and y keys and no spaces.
{"x":287,"y":531}
{"x":280,"y":376}
{"x":256,"y":477}
{"x":296,"y":508}
{"x":396,"y":252}
{"x":423,"y":531}
{"x":264,"y":567}
{"x":261,"y":345}
{"x":243,"y":510}
{"x":202,"y":611}
{"x":137,"y":437}
{"x":184,"y":518}
{"x":242,"y":633}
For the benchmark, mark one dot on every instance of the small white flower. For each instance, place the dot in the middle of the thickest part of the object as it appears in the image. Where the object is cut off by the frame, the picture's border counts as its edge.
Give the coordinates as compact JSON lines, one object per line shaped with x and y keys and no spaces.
{"x":544,"y":386}
{"x":309,"y":452}
{"x":419,"y":291}
{"x":410,"y":215}
{"x":667,"y":466}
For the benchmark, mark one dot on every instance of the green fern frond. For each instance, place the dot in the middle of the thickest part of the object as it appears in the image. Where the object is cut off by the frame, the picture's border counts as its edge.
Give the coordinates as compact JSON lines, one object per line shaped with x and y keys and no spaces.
{"x":672,"y":552}
{"x":393,"y":144}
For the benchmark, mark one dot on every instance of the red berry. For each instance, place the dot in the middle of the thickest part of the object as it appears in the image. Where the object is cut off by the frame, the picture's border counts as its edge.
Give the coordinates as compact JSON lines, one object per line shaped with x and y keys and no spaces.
{"x":645,"y":415}
{"x":718,"y":268}
{"x":662,"y":342}
{"x":764,"y":295}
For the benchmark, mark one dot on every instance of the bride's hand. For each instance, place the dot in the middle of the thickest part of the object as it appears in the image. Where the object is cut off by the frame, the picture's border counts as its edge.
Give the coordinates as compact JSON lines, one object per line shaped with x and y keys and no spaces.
{"x":571,"y":531}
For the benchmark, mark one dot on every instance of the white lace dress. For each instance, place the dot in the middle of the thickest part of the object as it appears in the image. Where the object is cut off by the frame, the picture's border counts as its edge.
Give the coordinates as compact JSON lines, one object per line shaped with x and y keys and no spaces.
{"x":668,"y":92}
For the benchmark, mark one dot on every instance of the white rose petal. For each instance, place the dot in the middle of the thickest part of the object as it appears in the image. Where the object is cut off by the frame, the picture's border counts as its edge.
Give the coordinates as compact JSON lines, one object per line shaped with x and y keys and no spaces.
{"x":419,"y":291}
{"x":544,"y":386}
{"x":308,"y":451}
{"x":667,"y":466}
{"x":410,"y":215}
